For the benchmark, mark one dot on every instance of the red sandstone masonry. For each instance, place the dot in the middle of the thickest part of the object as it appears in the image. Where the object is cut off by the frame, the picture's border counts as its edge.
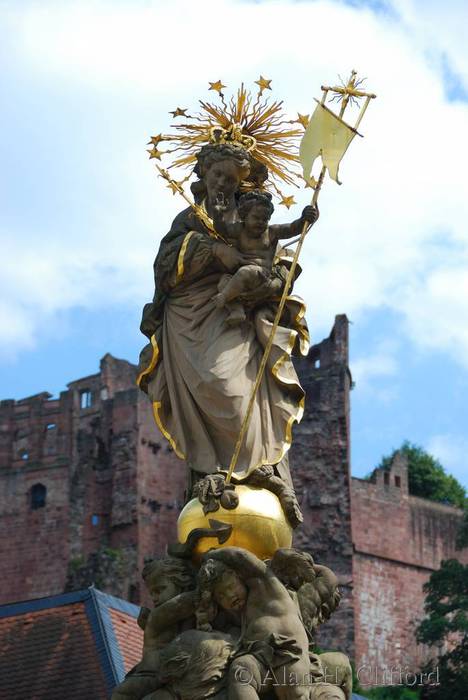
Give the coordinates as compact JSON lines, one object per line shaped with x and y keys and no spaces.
{"x":398,"y":541}
{"x":320,"y":466}
{"x":113,"y":486}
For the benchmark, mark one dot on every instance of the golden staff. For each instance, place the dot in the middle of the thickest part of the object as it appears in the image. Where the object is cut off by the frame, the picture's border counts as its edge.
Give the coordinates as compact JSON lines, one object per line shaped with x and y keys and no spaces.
{"x":346,"y":93}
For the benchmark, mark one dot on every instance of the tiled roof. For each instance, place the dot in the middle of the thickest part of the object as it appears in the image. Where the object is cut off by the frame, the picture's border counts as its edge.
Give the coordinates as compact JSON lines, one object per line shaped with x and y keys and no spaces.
{"x":76,"y":645}
{"x":129,"y":637}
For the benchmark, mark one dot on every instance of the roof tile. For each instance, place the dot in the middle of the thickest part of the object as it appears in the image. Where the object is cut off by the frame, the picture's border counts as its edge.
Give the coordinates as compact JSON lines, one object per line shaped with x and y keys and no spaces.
{"x":129,"y":637}
{"x":50,"y":654}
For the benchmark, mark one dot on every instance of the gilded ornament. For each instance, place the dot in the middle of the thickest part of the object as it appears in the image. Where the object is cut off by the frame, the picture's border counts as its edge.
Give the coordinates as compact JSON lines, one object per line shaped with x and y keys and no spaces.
{"x":258,"y":523}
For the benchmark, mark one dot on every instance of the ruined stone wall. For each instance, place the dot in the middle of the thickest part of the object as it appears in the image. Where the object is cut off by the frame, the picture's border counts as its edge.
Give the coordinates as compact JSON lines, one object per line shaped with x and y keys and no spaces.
{"x":398,"y":540}
{"x":320,"y":465}
{"x":34,"y":452}
{"x":161,"y":485}
{"x":103,"y":532}
{"x":82,"y":450}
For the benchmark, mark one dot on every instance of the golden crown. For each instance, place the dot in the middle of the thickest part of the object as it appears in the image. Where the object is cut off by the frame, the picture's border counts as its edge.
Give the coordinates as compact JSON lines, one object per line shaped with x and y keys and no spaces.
{"x":252,"y":122}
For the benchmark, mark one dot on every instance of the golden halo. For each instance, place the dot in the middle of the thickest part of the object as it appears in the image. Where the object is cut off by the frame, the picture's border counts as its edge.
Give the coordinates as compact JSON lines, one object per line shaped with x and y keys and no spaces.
{"x":253,"y":122}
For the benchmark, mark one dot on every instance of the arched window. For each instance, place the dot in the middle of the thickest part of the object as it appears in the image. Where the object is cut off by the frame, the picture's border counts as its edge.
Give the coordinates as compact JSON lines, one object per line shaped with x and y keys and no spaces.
{"x":38,"y":496}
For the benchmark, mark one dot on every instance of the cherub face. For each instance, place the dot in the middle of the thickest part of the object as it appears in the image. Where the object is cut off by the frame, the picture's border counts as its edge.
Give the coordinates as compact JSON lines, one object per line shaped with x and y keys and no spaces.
{"x":222,"y":181}
{"x":256,"y":220}
{"x":161,"y":589}
{"x":230,"y":592}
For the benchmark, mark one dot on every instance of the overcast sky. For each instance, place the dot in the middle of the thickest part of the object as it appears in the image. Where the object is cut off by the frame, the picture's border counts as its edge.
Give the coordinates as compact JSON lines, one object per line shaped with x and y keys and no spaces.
{"x":81,"y":211}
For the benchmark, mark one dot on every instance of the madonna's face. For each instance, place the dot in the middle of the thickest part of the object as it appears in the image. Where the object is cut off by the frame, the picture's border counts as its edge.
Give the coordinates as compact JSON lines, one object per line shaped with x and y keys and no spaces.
{"x":222,"y":182}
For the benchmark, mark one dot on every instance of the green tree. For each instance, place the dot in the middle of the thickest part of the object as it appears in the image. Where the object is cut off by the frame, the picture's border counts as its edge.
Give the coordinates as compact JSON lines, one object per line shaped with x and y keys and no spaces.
{"x":446,"y":624}
{"x":427,"y":477}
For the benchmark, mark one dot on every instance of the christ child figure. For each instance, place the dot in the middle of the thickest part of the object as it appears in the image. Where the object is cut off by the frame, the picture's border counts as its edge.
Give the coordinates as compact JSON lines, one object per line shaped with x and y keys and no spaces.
{"x":274,"y":643}
{"x":257,"y":240}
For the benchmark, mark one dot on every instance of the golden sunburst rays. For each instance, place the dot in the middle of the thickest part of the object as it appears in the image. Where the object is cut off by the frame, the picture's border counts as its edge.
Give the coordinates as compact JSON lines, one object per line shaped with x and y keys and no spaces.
{"x":253,"y":121}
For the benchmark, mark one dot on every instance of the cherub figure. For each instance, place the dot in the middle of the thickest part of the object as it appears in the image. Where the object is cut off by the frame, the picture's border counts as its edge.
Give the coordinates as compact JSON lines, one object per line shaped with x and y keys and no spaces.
{"x":257,"y":241}
{"x":193,"y":666}
{"x":171,"y":584}
{"x":314,"y":586}
{"x":274,"y":642}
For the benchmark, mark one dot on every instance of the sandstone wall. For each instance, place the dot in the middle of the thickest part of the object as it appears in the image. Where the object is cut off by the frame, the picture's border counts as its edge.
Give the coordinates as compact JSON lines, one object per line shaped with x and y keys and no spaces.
{"x":113,"y":487}
{"x":398,"y":541}
{"x":320,"y":464}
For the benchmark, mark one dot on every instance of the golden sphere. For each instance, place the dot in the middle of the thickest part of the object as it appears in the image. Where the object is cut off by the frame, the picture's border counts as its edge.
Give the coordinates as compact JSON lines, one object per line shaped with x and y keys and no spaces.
{"x":258,"y":523}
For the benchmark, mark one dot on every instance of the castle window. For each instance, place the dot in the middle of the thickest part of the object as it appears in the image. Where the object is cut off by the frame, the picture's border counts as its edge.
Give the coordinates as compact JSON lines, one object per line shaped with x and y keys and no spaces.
{"x":24,"y":455}
{"x":86,"y":398}
{"x":50,"y":439}
{"x":386,"y":478}
{"x":398,"y":481}
{"x":95,"y":519}
{"x":38,"y":496}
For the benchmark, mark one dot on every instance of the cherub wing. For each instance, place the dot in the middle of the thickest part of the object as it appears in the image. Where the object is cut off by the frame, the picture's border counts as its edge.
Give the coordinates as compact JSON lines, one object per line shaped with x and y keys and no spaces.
{"x":316,"y":586}
{"x":293,"y":567}
{"x":319,"y":598}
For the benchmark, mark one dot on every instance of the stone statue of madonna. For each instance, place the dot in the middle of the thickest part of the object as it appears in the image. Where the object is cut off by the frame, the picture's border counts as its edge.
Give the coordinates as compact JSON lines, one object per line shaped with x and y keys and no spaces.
{"x":199,"y":371}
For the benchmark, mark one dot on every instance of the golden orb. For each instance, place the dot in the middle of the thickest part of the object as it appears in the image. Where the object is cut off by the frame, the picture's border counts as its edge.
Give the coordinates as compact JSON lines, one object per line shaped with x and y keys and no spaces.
{"x":258,"y":523}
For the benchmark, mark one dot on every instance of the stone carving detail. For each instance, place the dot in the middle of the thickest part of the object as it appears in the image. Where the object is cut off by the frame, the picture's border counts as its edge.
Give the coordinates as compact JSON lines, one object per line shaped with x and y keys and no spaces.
{"x":235,"y":606}
{"x":237,"y":627}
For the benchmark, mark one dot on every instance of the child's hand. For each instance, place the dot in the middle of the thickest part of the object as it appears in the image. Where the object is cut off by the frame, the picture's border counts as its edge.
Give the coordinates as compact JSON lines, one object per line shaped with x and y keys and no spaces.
{"x":311,"y":214}
{"x":228,"y":256}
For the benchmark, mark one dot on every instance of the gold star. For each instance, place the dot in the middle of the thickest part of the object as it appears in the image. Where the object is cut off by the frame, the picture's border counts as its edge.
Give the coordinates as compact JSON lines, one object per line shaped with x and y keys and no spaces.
{"x":154,"y":153}
{"x":303,"y":119}
{"x":288,"y":201}
{"x":155,"y":140}
{"x":179,"y":113}
{"x":218,"y":86}
{"x":174,"y":186}
{"x":263,"y":84}
{"x":311,"y":182}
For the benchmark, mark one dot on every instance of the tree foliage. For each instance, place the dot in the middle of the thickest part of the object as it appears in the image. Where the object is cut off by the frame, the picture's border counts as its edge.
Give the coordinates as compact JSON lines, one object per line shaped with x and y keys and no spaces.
{"x":427,"y":477}
{"x":446,"y":624}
